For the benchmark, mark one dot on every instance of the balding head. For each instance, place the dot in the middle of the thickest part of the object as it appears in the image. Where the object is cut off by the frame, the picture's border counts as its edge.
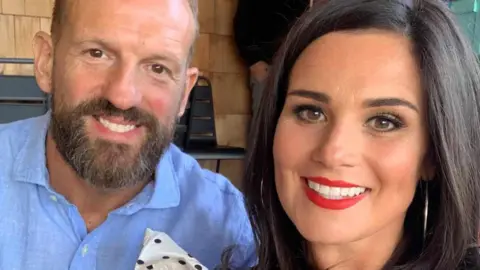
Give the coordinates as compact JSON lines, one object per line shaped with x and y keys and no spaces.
{"x":60,"y":14}
{"x":111,"y":61}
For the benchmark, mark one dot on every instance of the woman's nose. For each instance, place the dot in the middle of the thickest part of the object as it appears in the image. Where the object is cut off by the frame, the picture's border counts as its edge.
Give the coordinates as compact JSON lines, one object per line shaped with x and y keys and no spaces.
{"x":339,"y":146}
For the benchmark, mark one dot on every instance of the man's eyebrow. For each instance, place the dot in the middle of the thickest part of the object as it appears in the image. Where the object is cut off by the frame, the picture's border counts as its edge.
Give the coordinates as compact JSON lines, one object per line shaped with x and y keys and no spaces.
{"x":163,"y":57}
{"x":96,"y":41}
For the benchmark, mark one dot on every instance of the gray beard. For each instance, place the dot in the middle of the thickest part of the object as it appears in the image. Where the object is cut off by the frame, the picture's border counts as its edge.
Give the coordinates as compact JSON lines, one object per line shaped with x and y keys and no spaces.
{"x":103,"y":164}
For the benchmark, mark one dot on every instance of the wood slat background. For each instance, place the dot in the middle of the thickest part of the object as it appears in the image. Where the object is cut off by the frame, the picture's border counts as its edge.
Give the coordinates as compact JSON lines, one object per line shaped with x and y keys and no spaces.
{"x":215,"y":56}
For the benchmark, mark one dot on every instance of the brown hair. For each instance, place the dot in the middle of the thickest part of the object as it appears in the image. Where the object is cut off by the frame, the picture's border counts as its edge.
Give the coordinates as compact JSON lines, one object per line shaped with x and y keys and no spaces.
{"x":450,"y":76}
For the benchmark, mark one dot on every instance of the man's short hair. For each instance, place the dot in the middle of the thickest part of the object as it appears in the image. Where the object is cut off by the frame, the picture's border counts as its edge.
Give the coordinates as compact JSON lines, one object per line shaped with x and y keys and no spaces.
{"x":59,"y":17}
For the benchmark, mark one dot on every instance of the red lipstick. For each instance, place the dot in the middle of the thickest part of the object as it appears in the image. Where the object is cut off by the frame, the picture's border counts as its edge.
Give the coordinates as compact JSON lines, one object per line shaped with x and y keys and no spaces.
{"x":331,"y":204}
{"x":331,"y":183}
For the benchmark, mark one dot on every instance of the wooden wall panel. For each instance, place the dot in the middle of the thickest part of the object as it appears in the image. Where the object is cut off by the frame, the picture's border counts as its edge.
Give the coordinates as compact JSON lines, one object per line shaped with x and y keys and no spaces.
{"x":45,"y":24}
{"x":16,"y":7}
{"x":232,"y":129}
{"x":215,"y":56}
{"x":225,"y":58}
{"x":224,"y":12}
{"x":206,"y":16}
{"x":202,"y":52}
{"x":208,"y":164}
{"x":7,"y":44}
{"x":7,"y":37}
{"x":25,"y":29}
{"x":41,"y":8}
{"x":230,"y":93}
{"x":233,"y":170}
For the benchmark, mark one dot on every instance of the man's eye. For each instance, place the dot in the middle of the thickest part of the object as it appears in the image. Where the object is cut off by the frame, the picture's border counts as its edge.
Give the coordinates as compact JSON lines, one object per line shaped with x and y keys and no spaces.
{"x":159,"y":69}
{"x":96,"y":53}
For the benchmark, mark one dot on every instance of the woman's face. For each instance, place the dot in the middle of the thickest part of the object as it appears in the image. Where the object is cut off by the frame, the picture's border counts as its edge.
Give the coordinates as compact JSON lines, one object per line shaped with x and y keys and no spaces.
{"x":351,"y":140}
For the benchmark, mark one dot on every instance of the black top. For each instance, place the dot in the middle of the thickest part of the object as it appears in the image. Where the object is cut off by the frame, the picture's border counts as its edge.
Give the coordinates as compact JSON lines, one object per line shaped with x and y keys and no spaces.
{"x":470,"y":262}
{"x":260,"y":25}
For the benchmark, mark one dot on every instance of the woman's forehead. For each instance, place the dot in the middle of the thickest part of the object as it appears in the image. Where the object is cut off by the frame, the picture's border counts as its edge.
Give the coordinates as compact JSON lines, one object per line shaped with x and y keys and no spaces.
{"x":369,"y":62}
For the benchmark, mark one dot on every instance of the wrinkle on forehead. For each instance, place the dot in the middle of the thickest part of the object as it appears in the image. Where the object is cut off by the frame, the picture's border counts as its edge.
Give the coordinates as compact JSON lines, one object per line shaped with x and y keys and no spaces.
{"x":148,"y":19}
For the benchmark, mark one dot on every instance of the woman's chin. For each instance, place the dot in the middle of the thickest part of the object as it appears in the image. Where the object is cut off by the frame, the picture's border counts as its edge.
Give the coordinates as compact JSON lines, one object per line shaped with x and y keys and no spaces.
{"x":323,"y":233}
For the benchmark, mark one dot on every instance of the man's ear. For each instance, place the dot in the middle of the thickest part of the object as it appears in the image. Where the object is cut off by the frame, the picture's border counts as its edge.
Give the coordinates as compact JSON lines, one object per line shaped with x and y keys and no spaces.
{"x":43,"y":64}
{"x":191,"y":79}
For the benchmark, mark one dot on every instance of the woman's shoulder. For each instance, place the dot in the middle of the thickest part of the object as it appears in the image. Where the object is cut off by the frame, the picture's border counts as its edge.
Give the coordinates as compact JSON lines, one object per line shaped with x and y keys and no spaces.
{"x":471,"y":261}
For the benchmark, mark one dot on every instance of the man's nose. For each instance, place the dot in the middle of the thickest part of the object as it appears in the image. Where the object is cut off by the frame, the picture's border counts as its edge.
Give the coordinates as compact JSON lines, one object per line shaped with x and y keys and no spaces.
{"x":339,"y":146}
{"x":121,"y":89}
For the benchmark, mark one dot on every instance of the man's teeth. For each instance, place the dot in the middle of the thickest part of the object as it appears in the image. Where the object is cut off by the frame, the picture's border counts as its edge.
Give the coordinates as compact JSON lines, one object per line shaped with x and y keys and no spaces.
{"x":336,"y":193}
{"x":116,"y":127}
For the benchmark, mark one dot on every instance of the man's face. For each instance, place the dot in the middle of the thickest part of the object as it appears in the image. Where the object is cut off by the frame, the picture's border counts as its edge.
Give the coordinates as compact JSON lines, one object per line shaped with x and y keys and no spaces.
{"x":119,"y":81}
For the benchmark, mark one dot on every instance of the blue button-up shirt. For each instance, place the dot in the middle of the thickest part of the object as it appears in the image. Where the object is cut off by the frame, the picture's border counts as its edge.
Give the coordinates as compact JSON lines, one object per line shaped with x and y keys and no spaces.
{"x":39,"y":229}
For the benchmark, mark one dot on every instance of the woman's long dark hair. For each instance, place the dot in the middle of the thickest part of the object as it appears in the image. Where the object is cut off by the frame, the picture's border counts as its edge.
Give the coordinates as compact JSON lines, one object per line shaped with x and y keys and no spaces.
{"x":450,"y":78}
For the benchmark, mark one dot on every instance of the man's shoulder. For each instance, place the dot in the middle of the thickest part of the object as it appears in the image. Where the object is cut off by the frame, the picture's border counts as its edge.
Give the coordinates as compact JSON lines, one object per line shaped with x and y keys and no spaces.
{"x":211,"y":197}
{"x":190,"y":172}
{"x":17,"y":129}
{"x":208,"y":191}
{"x":13,"y":137}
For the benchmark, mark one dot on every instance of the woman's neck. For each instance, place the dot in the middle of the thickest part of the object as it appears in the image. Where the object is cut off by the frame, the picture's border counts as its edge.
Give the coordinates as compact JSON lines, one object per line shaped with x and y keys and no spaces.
{"x":369,"y":253}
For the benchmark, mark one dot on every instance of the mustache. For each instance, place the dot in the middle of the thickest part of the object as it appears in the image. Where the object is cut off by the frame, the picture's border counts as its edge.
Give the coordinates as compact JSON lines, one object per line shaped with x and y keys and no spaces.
{"x":103,"y":107}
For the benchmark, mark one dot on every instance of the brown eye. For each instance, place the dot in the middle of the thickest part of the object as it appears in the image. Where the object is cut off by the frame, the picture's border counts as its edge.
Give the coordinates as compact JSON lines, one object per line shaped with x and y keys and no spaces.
{"x":385,"y":123}
{"x":382,"y":124}
{"x":159,"y":69}
{"x":310,"y":114}
{"x":95,"y":53}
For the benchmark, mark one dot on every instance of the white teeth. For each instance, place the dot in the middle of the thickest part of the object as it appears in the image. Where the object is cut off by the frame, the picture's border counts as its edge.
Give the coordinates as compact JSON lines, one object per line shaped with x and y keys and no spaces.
{"x":336,"y":193}
{"x":116,"y":127}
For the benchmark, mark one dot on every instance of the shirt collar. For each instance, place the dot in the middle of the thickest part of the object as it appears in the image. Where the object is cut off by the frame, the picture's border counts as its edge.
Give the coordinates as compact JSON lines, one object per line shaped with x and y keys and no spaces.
{"x":30,"y":163}
{"x":166,"y":190}
{"x":30,"y":166}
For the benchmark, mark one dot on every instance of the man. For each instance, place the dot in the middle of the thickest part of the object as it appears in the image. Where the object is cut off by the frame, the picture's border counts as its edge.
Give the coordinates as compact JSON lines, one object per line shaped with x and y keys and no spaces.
{"x":259,"y":28}
{"x":80,"y":185}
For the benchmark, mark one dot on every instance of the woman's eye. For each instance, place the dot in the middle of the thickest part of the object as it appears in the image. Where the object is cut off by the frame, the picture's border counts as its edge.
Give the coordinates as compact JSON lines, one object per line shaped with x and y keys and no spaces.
{"x":96,"y":53}
{"x":385,"y":123}
{"x":309,"y":114}
{"x":159,"y":69}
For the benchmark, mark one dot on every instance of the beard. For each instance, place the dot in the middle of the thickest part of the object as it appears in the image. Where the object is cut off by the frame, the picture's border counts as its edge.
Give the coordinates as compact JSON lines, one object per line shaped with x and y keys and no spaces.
{"x":103,"y":164}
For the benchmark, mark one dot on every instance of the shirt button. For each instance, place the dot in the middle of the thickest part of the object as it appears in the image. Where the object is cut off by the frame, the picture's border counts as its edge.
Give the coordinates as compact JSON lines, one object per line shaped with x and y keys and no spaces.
{"x":53,"y":198}
{"x":84,"y":250}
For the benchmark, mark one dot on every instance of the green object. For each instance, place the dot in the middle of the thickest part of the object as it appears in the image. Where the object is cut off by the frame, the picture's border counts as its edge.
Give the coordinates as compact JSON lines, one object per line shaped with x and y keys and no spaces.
{"x":468,"y":17}
{"x":464,"y":6}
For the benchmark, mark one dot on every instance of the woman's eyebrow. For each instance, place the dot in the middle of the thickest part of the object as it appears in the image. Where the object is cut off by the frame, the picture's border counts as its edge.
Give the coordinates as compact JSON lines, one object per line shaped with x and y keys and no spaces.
{"x":380,"y":102}
{"x":376,"y":102}
{"x":315,"y":95}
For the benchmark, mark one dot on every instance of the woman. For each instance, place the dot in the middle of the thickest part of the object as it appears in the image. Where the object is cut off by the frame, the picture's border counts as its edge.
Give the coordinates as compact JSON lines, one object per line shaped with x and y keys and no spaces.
{"x":365,"y":151}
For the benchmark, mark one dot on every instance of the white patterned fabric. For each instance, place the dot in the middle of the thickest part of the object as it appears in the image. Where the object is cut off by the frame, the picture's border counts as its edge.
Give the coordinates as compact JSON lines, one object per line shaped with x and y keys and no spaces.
{"x":161,"y":252}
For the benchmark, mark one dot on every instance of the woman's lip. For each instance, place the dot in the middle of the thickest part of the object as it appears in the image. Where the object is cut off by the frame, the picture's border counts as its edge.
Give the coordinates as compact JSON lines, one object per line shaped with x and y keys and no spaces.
{"x":331,"y":183}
